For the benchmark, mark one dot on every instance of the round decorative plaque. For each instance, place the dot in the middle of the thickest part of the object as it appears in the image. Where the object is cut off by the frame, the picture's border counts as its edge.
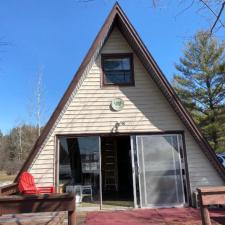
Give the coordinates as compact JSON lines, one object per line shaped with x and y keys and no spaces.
{"x":117,"y":104}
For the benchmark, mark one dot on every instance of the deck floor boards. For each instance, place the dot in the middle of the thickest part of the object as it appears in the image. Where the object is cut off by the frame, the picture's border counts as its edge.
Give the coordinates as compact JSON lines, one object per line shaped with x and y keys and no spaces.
{"x":175,"y":216}
{"x":55,"y":218}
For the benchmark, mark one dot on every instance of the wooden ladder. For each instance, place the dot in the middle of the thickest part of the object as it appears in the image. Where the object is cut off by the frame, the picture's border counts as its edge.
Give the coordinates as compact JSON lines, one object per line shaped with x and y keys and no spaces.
{"x":109,"y":163}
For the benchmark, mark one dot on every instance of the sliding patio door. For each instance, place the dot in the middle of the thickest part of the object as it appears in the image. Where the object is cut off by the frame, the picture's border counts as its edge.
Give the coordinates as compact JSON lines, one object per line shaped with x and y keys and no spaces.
{"x":160,"y":170}
{"x":79,"y":169}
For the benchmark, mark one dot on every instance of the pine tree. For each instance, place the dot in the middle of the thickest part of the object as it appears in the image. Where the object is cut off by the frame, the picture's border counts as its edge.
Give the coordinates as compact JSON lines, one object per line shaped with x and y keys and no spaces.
{"x":200,"y":83}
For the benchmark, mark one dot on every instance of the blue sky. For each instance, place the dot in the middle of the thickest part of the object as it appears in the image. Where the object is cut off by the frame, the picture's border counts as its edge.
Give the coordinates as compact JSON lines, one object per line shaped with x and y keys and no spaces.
{"x":53,"y":36}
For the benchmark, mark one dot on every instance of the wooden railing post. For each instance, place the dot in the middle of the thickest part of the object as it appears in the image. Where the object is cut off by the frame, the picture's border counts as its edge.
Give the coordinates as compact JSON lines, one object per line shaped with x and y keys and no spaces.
{"x":72,"y":217}
{"x":205,"y":215}
{"x":210,"y":196}
{"x":204,"y":210}
{"x":72,"y":213}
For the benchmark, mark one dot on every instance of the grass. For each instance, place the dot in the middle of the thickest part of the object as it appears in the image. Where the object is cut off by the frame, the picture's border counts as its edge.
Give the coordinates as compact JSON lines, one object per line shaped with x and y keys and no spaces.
{"x":5,"y":177}
{"x":88,"y":204}
{"x":118,"y":203}
{"x":107,"y":204}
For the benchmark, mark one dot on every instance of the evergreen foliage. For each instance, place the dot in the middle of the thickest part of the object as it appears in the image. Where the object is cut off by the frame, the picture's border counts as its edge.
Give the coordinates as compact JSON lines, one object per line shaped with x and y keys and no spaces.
{"x":200,"y":83}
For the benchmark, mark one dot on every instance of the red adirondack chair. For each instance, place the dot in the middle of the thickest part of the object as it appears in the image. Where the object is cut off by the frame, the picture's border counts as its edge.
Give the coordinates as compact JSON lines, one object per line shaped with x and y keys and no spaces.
{"x":27,"y":186}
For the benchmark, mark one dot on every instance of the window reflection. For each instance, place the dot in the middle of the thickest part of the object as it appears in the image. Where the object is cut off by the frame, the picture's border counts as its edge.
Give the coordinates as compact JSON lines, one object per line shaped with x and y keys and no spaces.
{"x":79,"y":166}
{"x":117,"y":69}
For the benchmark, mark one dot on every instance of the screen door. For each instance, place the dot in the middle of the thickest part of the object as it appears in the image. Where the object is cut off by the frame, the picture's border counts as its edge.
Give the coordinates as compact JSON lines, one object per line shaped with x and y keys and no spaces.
{"x":160,"y":170}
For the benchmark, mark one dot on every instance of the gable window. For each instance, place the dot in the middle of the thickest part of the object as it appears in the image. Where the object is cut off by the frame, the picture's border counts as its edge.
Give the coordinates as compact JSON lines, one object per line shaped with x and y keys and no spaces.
{"x":117,"y":69}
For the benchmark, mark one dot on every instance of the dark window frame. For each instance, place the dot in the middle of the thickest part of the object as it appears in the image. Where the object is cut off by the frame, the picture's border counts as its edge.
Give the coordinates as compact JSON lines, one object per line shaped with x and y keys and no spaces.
{"x":117,"y":56}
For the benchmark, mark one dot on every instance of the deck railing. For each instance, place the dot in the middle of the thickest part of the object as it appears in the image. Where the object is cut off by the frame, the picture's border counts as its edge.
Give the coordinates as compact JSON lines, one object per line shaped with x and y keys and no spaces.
{"x":9,"y":189}
{"x":210,"y":196}
{"x":15,"y":204}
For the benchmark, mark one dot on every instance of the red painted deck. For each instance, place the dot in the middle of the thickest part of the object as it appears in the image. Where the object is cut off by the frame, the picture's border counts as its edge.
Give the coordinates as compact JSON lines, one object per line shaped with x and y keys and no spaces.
{"x":175,"y":216}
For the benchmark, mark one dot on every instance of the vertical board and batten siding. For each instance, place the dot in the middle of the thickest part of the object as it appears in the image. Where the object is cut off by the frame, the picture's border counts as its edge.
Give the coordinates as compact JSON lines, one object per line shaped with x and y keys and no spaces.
{"x":145,"y":110}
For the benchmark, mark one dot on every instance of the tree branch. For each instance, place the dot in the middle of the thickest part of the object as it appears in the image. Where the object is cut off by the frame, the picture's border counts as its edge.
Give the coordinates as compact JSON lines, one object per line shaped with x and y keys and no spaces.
{"x":215,"y":14}
{"x":218,"y":18}
{"x":185,"y":9}
{"x":154,"y":3}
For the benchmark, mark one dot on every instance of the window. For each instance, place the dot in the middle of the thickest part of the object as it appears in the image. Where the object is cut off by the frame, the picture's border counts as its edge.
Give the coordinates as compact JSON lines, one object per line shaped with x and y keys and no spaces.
{"x":117,"y":69}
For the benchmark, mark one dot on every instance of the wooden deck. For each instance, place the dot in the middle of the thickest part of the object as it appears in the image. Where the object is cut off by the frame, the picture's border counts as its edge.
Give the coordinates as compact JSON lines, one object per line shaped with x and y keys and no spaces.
{"x":179,"y":216}
{"x":54,"y":218}
{"x":58,"y":209}
{"x":17,"y":209}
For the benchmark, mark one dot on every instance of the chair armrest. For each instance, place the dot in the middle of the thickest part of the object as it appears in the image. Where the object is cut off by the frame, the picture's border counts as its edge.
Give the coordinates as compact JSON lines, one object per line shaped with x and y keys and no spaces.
{"x":46,"y":190}
{"x":31,"y":191}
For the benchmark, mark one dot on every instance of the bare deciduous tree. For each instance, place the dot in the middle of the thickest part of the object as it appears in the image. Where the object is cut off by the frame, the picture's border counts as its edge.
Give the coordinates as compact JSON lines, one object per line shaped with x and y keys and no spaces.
{"x":215,"y":9}
{"x":39,"y":102}
{"x":15,"y":147}
{"x":2,"y":42}
{"x":37,"y":105}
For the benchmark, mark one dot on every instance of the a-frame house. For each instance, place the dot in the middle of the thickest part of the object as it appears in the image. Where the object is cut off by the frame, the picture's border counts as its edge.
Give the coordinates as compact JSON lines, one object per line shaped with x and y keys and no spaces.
{"x":120,"y":133}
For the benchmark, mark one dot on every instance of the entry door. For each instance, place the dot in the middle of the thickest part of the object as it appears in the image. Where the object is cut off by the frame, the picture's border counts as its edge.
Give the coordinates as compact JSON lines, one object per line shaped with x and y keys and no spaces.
{"x":160,"y":170}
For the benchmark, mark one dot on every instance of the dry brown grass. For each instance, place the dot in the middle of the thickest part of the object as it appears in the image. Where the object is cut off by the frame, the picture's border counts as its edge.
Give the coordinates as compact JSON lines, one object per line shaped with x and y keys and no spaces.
{"x":4,"y":177}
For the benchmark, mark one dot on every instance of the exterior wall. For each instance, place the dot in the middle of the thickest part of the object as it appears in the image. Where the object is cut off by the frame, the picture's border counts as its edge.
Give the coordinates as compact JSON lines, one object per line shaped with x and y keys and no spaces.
{"x":145,"y":110}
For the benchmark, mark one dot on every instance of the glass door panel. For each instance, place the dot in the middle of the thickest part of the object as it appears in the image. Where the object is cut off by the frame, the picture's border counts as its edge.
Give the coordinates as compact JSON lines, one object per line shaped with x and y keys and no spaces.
{"x":160,"y":171}
{"x":79,"y":169}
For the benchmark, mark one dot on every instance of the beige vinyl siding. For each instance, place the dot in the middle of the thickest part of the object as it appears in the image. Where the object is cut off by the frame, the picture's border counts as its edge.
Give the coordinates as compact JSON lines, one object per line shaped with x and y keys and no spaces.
{"x":145,"y":109}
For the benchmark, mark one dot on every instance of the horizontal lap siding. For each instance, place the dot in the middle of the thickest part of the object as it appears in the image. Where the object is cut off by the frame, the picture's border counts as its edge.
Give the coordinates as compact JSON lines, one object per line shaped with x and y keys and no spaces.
{"x":201,"y":171}
{"x":90,"y":110}
{"x":145,"y":110}
{"x":43,"y":165}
